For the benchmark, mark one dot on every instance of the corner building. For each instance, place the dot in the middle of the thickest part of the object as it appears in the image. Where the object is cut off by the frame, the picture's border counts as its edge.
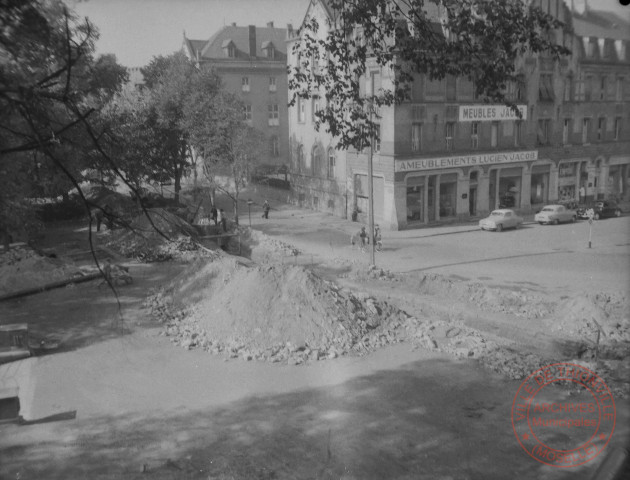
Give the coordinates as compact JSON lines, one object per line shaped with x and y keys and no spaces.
{"x":251,"y":61}
{"x":445,"y":155}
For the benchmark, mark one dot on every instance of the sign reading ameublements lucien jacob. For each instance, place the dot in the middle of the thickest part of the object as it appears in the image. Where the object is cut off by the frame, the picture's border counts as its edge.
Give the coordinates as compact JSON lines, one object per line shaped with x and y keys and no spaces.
{"x":488,"y":113}
{"x":464,"y":161}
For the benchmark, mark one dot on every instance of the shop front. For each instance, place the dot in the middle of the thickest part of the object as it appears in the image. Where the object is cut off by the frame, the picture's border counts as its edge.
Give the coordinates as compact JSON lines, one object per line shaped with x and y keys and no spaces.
{"x":568,"y":182}
{"x":441,"y":189}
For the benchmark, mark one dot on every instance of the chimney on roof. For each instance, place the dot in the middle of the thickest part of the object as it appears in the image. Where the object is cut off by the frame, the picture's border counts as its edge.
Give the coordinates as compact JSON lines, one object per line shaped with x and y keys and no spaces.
{"x":234,"y":24}
{"x":252,"y":41}
{"x":269,"y":24}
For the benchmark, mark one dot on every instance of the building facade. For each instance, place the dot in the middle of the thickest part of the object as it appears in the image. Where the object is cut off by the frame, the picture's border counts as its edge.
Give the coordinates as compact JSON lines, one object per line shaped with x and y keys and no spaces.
{"x":445,"y":155}
{"x":252,"y":64}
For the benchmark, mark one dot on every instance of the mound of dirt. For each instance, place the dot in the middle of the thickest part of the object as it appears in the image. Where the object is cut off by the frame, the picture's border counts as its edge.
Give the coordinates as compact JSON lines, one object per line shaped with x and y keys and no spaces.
{"x":582,"y":316}
{"x":272,"y":312}
{"x":22,"y":268}
{"x":160,"y":236}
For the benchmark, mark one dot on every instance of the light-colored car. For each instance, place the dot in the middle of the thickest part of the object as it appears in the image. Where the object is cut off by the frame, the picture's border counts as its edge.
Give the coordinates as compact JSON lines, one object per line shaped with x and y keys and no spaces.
{"x":555,"y":214}
{"x":501,"y":219}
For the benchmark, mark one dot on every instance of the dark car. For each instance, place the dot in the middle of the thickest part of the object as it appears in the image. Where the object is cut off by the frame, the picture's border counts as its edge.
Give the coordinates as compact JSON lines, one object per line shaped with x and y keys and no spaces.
{"x":600,"y":210}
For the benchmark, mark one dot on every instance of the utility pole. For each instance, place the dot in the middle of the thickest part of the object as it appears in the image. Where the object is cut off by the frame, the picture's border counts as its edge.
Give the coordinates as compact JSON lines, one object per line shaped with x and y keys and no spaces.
{"x":371,"y":198}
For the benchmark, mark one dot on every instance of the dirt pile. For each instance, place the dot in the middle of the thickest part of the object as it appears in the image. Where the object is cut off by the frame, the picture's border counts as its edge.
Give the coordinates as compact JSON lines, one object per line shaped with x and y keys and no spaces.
{"x":160,"y":236}
{"x":22,"y":267}
{"x":280,"y":313}
{"x":583,"y":316}
{"x":267,"y":245}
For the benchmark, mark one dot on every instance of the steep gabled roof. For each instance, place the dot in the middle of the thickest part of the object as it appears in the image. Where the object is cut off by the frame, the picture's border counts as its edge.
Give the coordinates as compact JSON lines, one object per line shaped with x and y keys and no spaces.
{"x":599,"y":24}
{"x":239,"y":36}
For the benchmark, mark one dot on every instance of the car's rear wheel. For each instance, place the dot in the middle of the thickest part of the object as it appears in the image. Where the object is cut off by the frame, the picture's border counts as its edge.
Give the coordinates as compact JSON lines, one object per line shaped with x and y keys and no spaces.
{"x":499,"y":228}
{"x":540,"y":223}
{"x":556,"y":222}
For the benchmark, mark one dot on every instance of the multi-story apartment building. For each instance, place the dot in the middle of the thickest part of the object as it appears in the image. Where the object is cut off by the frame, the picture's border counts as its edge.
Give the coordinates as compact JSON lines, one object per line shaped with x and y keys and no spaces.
{"x":446,"y":155}
{"x":252,"y":63}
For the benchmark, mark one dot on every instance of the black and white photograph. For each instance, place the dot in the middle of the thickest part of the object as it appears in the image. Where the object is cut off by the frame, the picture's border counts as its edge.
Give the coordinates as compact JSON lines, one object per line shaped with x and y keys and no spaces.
{"x":315,"y":239}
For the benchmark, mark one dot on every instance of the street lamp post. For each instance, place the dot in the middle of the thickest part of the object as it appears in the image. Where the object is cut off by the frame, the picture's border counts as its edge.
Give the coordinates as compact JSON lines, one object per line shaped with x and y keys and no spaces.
{"x":249,"y":210}
{"x":371,"y":198}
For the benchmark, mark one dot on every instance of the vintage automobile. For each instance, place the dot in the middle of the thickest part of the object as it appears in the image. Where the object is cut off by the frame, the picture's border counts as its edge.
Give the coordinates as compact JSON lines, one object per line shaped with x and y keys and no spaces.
{"x":603,"y":209}
{"x":555,"y":214}
{"x":501,"y":219}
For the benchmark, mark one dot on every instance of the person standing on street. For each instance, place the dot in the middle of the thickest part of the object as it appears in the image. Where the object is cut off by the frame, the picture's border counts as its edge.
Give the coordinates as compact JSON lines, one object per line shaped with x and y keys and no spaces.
{"x":266,"y":209}
{"x":223,"y":220}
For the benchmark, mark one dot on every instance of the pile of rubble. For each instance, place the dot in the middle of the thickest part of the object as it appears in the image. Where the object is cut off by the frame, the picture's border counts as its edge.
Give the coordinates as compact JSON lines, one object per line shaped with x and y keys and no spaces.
{"x":288,"y":315}
{"x":22,"y":268}
{"x":158,"y":236}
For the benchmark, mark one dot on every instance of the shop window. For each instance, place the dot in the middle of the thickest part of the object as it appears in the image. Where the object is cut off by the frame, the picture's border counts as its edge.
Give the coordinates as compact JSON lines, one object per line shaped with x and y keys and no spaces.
{"x":601,"y":129}
{"x":494,"y":134}
{"x":544,"y":131}
{"x":416,"y":137}
{"x":448,"y":194}
{"x":415,"y":199}
{"x":449,"y":135}
{"x":474,"y":135}
{"x":586,"y":126}
{"x":545,"y":87}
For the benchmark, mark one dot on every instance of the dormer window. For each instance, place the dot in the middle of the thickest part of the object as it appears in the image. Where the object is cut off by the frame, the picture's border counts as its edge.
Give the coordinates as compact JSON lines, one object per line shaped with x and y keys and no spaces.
{"x":229,"y":49}
{"x":601,"y":42}
{"x":269,"y":50}
{"x":620,"y":48}
{"x":589,"y":49}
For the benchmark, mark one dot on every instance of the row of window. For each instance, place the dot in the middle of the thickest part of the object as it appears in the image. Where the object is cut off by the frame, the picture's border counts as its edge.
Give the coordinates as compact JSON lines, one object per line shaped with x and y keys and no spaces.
{"x":314,"y":162}
{"x":515,"y":129}
{"x":245,"y":84}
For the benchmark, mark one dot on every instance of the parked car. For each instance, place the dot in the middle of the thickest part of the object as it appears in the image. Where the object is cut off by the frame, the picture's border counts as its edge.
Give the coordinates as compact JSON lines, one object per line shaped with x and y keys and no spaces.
{"x":555,"y":214}
{"x":603,"y":209}
{"x":501,"y":219}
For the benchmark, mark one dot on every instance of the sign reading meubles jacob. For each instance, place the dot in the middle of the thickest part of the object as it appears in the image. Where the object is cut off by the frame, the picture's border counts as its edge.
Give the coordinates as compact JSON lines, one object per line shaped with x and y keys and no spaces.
{"x":464,"y":160}
{"x":487,"y":113}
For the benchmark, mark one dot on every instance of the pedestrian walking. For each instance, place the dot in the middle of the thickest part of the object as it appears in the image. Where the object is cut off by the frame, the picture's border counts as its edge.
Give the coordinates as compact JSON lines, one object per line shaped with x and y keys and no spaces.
{"x":266,"y":209}
{"x":214,"y":215}
{"x":223,"y":220}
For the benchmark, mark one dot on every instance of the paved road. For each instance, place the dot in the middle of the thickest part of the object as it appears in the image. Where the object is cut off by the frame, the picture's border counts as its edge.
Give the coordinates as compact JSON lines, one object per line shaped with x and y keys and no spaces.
{"x":552,"y":257}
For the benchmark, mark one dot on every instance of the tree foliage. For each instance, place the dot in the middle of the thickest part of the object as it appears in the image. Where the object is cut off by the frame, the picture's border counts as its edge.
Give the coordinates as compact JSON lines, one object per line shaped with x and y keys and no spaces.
{"x":480,"y":40}
{"x":51,"y":88}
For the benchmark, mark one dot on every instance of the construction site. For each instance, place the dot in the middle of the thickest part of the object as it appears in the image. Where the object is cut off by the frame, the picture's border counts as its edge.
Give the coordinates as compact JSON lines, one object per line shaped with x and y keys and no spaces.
{"x":277,"y":350}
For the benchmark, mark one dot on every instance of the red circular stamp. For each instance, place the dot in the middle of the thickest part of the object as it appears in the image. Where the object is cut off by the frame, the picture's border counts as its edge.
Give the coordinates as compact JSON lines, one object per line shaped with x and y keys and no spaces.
{"x":561,"y":429}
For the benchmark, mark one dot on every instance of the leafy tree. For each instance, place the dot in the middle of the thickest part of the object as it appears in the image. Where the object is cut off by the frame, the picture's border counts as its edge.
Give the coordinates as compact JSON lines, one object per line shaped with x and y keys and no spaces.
{"x":229,"y":147}
{"x":50,"y":91}
{"x":477,"y":39}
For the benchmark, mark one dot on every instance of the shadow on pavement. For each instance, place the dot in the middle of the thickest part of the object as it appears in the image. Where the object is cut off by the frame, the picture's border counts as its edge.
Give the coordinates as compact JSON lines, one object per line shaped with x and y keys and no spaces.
{"x":434,"y":419}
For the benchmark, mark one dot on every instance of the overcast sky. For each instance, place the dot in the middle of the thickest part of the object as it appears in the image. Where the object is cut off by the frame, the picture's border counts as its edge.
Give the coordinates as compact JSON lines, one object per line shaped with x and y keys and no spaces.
{"x":137,"y":30}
